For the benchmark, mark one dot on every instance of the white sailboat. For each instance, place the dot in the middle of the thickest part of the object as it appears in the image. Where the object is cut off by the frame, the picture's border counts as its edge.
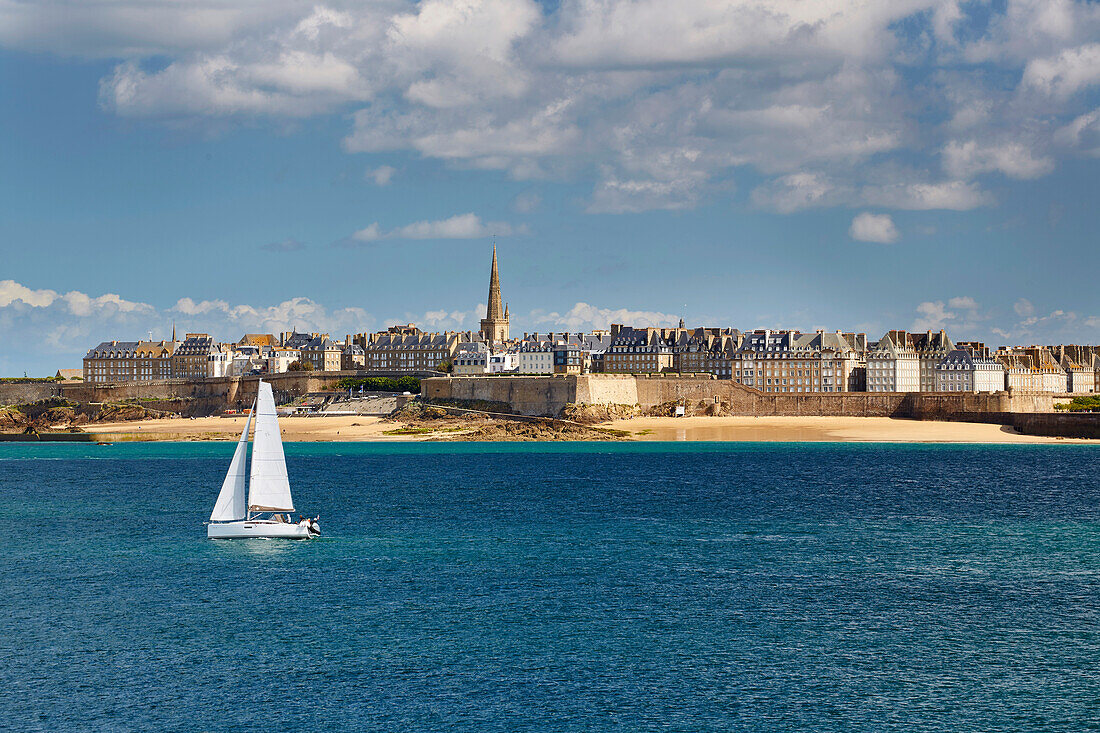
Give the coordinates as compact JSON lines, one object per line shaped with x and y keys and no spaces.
{"x":262,"y":511}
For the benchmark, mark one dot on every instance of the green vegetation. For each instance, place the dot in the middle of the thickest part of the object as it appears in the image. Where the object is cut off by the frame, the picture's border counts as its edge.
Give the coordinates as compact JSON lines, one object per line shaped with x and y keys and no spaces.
{"x":1081,"y":404}
{"x":380,"y":384}
{"x":30,"y":380}
{"x":299,"y":366}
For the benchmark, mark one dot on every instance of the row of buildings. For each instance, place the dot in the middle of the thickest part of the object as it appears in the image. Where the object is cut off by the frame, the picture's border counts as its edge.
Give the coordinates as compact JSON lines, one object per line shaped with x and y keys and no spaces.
{"x":768,"y":360}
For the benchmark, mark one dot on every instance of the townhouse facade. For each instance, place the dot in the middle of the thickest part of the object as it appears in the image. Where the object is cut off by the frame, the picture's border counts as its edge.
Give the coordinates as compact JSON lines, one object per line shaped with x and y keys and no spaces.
{"x":893,"y":364}
{"x":129,"y":361}
{"x":192,"y":359}
{"x":962,"y":371}
{"x":789,"y":361}
{"x":642,"y":350}
{"x":322,"y":353}
{"x":397,"y":350}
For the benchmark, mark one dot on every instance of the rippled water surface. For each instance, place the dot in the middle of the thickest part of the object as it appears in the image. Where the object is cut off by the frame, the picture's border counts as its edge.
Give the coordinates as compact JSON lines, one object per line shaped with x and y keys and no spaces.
{"x":561,"y":587}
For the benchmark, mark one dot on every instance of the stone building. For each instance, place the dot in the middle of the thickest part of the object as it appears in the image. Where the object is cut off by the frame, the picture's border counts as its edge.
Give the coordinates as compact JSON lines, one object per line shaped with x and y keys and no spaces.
{"x":535,"y":354}
{"x":640,"y":350}
{"x":470,"y":358}
{"x":931,"y":348}
{"x":1076,"y":362}
{"x":353,"y":357}
{"x":494,"y":326}
{"x":192,"y":359}
{"x":1032,"y":369}
{"x":893,"y":364}
{"x":399,"y":350}
{"x":790,"y":361}
{"x":710,"y":351}
{"x":323,"y":353}
{"x":129,"y":361}
{"x":962,"y":371}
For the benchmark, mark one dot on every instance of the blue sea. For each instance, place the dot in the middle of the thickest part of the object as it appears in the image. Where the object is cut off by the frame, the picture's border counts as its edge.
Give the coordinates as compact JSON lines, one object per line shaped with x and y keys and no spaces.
{"x":557,"y":587}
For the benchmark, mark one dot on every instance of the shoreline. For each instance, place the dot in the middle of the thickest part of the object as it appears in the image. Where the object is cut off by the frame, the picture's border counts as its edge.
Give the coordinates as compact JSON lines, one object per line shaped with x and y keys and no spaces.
{"x":351,"y":428}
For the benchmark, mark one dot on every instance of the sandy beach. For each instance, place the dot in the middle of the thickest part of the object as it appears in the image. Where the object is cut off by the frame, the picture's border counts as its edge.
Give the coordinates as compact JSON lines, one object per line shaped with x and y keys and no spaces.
{"x":854,"y":429}
{"x":355,"y":428}
{"x":336,"y":428}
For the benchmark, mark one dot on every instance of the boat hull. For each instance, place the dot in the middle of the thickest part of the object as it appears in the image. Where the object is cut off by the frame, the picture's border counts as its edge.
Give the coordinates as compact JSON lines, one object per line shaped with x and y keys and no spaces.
{"x":258,"y":529}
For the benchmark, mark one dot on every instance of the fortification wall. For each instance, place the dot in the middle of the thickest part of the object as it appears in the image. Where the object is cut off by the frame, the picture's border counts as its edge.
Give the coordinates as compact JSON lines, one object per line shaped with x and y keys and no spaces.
{"x":1059,"y":424}
{"x":548,"y":395}
{"x":523,"y":395}
{"x":16,"y":394}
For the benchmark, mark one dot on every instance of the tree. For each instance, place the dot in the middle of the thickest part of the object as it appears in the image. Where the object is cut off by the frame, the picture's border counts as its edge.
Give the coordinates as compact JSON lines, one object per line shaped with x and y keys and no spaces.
{"x":299,"y":366}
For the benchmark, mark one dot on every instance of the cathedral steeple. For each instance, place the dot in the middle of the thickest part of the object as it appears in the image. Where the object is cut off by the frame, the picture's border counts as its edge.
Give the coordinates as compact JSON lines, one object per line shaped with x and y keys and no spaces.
{"x":494,"y":327}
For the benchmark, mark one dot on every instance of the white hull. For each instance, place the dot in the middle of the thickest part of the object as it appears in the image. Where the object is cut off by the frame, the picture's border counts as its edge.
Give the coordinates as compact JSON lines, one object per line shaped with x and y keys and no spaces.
{"x":257,"y":528}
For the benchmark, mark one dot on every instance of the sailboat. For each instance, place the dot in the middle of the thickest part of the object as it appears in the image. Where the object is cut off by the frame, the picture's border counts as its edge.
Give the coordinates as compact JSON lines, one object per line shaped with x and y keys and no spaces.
{"x":259,"y":512}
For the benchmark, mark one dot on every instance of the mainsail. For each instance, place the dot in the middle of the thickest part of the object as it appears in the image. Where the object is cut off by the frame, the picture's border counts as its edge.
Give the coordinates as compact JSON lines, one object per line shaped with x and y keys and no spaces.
{"x":231,"y":501}
{"x":269,"y":489}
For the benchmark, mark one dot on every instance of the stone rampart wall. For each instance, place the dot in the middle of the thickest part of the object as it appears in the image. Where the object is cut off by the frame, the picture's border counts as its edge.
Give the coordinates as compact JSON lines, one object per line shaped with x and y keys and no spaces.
{"x":535,"y":395}
{"x":17,"y":394}
{"x":523,"y":395}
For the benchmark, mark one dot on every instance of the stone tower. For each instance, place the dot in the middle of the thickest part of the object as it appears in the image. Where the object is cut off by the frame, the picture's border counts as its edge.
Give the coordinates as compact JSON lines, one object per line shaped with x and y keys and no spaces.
{"x":494,"y":326}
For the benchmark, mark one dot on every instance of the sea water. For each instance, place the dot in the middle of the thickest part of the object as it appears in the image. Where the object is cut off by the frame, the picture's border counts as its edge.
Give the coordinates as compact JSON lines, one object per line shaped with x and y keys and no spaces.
{"x":557,"y":587}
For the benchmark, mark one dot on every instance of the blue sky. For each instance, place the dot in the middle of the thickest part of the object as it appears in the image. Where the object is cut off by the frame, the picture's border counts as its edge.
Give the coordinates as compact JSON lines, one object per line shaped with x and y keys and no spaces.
{"x":233,"y":165}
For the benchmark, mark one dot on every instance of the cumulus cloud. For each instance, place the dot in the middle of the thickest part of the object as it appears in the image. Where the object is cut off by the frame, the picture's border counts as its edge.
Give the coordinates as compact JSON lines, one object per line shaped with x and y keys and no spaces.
{"x":382,"y":175}
{"x":461,"y":226}
{"x":868,"y":227}
{"x":967,"y":159}
{"x":662,"y":106}
{"x":1070,"y":71}
{"x":56,"y":329}
{"x":583,"y":316}
{"x":961,"y":315}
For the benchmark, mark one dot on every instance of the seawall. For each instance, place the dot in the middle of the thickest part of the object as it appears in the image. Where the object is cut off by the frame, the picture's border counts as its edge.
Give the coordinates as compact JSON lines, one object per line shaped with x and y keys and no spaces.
{"x":549,"y":395}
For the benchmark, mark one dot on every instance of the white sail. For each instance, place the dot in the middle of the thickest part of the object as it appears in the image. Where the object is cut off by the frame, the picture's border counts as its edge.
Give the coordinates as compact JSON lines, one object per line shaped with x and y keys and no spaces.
{"x":231,"y":501}
{"x":269,"y":488}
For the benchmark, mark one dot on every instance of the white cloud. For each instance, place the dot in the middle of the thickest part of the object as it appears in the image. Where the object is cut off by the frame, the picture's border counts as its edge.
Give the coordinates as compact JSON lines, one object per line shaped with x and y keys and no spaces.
{"x":967,"y":159}
{"x":950,"y":195}
{"x":382,"y":175}
{"x":56,"y":329}
{"x":441,"y":319}
{"x":1083,"y":133}
{"x":1069,"y":72}
{"x":1023,"y":307}
{"x":868,"y":227}
{"x":583,"y":316}
{"x":960,"y":315}
{"x":461,"y":226}
{"x":661,"y":105}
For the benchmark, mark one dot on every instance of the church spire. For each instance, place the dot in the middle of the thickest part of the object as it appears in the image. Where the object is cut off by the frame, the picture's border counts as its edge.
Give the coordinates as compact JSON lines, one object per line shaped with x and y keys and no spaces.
{"x":494,"y":310}
{"x":494,"y":327}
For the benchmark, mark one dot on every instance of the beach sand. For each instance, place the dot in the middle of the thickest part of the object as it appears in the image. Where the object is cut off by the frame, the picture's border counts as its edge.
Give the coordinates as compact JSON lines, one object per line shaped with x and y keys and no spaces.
{"x":336,"y":428}
{"x":355,"y":428}
{"x":878,"y":429}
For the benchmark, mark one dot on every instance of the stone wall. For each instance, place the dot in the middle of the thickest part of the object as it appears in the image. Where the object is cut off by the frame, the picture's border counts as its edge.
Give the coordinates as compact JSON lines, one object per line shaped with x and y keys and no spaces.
{"x":1060,"y":424}
{"x":204,"y":396}
{"x":17,"y":394}
{"x":549,"y":395}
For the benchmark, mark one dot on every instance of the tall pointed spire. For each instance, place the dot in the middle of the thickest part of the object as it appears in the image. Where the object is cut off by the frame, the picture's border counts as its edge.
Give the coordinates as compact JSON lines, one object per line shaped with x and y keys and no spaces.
{"x":494,"y":327}
{"x":494,"y":311}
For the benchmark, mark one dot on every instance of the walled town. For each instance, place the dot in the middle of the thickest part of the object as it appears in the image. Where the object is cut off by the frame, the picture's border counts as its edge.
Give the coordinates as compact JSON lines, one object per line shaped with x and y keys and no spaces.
{"x":769,"y":361}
